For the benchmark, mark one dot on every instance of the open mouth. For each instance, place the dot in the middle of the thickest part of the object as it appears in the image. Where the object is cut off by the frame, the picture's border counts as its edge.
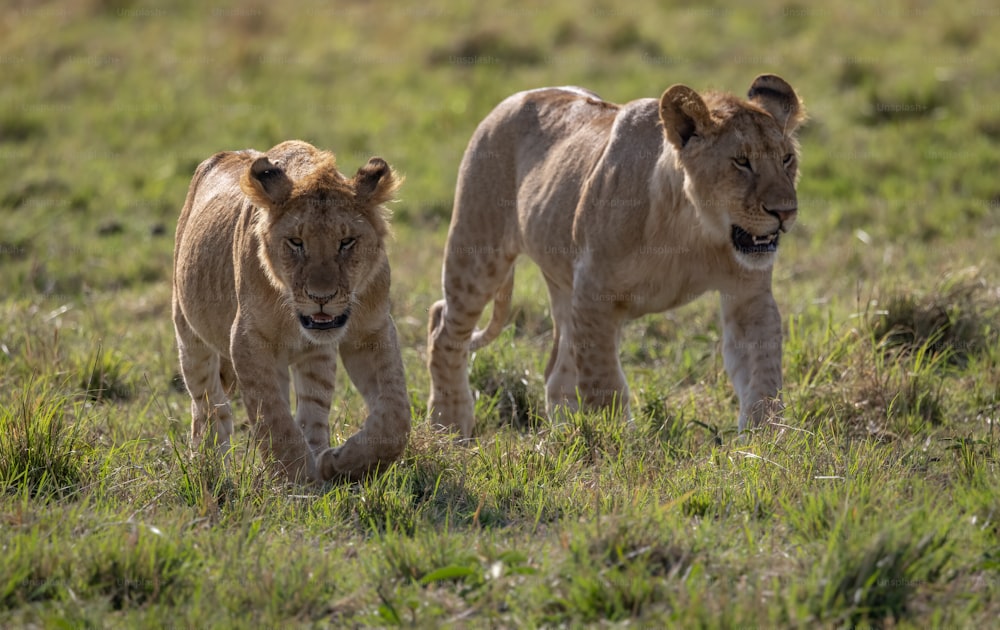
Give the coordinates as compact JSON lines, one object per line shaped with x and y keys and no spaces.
{"x":747,"y":243}
{"x":323,"y":321}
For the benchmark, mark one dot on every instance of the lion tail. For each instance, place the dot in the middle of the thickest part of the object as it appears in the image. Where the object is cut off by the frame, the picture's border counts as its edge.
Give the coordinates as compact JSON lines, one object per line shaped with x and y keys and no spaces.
{"x":502,"y":301}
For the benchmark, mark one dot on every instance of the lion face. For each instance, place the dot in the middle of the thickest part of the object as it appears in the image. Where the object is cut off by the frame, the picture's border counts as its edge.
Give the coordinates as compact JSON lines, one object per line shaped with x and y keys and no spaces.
{"x":321,"y":238}
{"x":740,"y":160}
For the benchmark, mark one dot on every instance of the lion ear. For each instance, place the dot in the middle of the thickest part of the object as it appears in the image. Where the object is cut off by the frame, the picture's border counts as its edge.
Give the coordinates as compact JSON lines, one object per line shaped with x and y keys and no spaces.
{"x":684,"y":115}
{"x":265,"y":184}
{"x":375,"y":182}
{"x":776,"y":97}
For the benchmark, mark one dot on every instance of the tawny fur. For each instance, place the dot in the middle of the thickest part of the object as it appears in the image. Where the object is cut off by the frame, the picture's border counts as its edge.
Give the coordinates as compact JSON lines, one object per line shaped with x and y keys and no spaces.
{"x":265,"y":240}
{"x":628,"y":210}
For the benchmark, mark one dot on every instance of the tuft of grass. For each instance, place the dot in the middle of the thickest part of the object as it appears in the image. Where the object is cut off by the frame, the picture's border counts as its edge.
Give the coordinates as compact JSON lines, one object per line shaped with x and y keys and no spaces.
{"x":203,"y":482}
{"x":486,"y":48}
{"x":957,"y":320}
{"x":618,"y":568}
{"x":673,"y":428}
{"x":910,"y":394}
{"x":40,"y":447}
{"x":875,"y":583}
{"x":423,"y":574}
{"x":32,"y":572}
{"x":975,"y":457}
{"x":627,"y":36}
{"x":20,"y":128}
{"x":142,"y":568}
{"x":106,"y":378}
{"x":508,"y":392}
{"x":853,"y":74}
{"x":910,"y":104}
{"x":384,"y":506}
{"x":428,"y":557}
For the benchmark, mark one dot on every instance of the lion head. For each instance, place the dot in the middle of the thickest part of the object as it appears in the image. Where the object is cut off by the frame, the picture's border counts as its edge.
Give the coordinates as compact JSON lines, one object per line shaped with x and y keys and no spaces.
{"x":321,"y":236}
{"x":740,"y":162}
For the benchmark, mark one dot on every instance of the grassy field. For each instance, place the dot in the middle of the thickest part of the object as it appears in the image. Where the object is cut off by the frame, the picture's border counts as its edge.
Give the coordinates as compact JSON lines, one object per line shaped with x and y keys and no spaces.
{"x":876,"y":507}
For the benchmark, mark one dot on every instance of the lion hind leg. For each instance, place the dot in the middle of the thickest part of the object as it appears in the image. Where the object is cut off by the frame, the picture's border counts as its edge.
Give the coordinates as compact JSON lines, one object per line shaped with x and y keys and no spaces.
{"x":450,"y":405}
{"x":210,"y":413}
{"x":502,"y":301}
{"x":472,"y":278}
{"x":202,"y":370}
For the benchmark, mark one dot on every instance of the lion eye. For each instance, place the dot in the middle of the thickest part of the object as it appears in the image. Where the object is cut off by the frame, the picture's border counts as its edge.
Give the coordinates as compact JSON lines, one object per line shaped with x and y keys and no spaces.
{"x":347,"y":243}
{"x":742,"y":162}
{"x":296,"y":243}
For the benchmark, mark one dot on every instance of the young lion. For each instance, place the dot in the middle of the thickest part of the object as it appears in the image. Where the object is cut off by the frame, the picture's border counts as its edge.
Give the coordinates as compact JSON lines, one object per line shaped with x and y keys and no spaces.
{"x":628,"y":210}
{"x":280,"y":263}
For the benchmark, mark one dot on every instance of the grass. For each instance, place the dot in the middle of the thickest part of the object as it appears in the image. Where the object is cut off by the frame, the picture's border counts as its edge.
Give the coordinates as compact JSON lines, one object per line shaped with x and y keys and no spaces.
{"x":875,"y":504}
{"x":39,"y":454}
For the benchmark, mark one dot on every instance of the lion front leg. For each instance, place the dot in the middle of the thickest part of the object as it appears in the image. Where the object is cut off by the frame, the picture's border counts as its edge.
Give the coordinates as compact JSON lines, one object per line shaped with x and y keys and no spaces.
{"x":314,"y":376}
{"x":375,"y":366}
{"x":595,"y":336}
{"x":264,"y":386}
{"x":751,"y":347}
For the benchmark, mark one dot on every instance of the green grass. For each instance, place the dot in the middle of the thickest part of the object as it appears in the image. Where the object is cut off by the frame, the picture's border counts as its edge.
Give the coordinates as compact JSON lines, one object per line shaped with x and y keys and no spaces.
{"x":875,"y":505}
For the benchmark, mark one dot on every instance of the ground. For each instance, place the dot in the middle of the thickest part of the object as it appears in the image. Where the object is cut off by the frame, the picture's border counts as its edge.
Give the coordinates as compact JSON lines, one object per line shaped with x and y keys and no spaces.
{"x":876,"y":505}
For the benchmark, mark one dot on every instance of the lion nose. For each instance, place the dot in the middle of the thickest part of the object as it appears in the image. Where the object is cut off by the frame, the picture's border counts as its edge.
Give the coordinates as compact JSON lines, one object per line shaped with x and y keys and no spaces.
{"x":783,"y":215}
{"x":320,"y":299}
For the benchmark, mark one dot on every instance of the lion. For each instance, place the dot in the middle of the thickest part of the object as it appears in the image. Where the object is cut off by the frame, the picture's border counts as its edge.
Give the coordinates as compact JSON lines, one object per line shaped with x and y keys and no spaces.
{"x":280,"y":264}
{"x":628,"y":210}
